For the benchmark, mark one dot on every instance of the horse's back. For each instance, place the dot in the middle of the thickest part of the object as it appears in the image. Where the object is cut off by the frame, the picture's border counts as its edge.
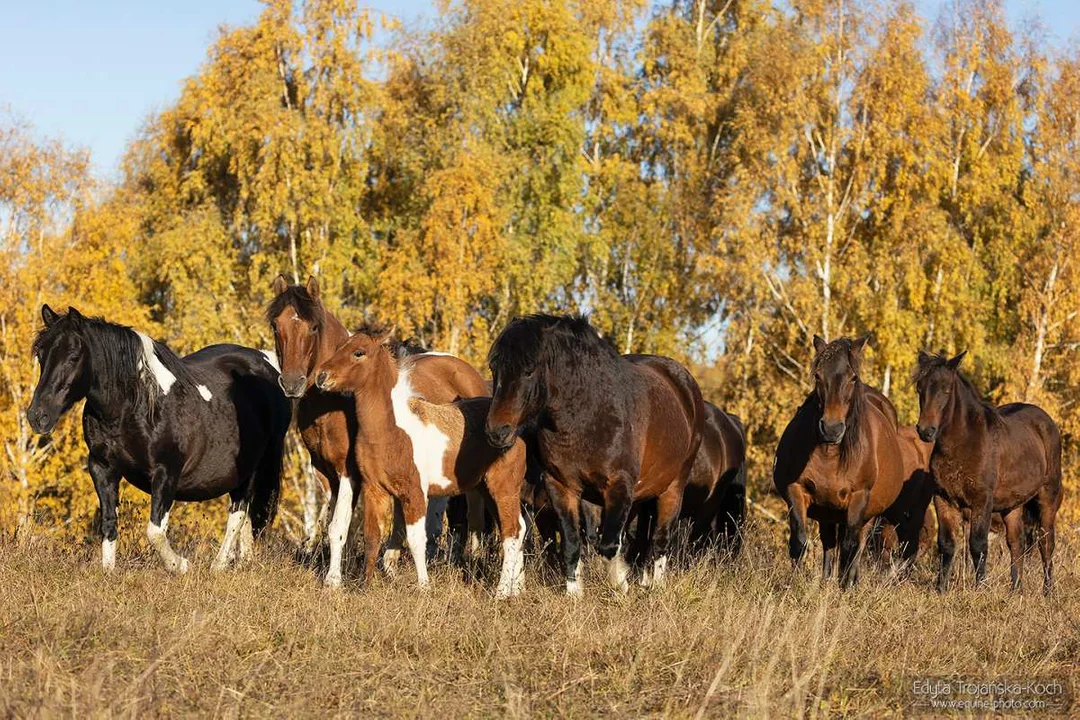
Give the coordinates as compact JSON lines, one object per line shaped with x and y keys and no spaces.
{"x":443,"y":378}
{"x":226,"y":358}
{"x":1031,"y":430}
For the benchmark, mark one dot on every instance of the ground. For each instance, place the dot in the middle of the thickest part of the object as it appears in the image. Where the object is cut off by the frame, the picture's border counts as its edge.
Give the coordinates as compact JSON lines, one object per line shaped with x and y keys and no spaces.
{"x":752,"y":638}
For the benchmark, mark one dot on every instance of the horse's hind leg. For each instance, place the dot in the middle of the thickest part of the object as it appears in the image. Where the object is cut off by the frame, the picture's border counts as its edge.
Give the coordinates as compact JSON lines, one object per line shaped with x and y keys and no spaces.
{"x":668,"y":505}
{"x":107,"y":484}
{"x":1049,"y":499}
{"x":397,"y":541}
{"x":1014,"y":537}
{"x":162,"y":492}
{"x":238,"y":516}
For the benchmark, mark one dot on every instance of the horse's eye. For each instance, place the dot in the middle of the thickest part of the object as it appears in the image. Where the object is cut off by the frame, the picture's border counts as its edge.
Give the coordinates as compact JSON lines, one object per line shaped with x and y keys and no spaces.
{"x":314,"y":329}
{"x":358,"y":354}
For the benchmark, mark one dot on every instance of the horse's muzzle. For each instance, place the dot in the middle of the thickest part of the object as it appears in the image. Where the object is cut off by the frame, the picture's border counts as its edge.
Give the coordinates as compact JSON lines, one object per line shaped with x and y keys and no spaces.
{"x":323,"y":381}
{"x":293,"y":387}
{"x":501,"y":436}
{"x":41,"y":420}
{"x":927,"y":433}
{"x":831,"y":432}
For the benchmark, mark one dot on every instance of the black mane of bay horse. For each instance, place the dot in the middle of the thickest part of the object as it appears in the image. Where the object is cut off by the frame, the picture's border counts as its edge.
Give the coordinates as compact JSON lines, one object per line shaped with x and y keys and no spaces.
{"x":608,"y":428}
{"x":187,"y":429}
{"x":987,"y":459}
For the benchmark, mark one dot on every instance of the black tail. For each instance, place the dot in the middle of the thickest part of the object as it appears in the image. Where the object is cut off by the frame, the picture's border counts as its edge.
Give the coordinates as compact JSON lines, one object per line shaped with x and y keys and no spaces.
{"x":267,"y":491}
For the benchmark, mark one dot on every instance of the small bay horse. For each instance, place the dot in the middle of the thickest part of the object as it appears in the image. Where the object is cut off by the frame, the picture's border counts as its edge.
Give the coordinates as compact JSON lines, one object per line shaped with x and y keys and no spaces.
{"x":608,"y":428}
{"x":839,"y":459}
{"x":987,"y":459}
{"x":412,"y":449}
{"x":187,"y":429}
{"x":306,"y":334}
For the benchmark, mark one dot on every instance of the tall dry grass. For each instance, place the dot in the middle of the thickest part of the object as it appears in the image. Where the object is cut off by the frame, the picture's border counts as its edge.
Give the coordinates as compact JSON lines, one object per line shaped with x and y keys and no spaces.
{"x":753,"y":638}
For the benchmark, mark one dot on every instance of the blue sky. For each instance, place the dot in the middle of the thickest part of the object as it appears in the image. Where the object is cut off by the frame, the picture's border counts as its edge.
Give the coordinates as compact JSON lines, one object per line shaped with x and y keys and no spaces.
{"x":91,"y":71}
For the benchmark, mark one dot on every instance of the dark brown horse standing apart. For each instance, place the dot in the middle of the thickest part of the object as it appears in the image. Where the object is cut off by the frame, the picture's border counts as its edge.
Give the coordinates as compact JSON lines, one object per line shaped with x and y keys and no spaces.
{"x":411,"y":449}
{"x":305,"y":335}
{"x":839,"y":460}
{"x":987,"y":459}
{"x":608,"y":428}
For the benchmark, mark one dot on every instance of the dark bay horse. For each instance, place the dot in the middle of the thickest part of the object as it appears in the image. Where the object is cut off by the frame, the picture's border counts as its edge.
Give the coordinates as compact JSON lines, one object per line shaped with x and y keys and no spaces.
{"x":987,"y":459}
{"x":413,"y":449}
{"x":306,"y":334}
{"x":186,"y":429}
{"x":608,"y":428}
{"x":714,"y":501}
{"x":839,"y":460}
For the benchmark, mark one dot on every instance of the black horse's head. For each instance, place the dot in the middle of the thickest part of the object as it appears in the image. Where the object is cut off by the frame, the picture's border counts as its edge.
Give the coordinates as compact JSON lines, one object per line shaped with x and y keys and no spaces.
{"x":61,"y":352}
{"x":936,"y":380}
{"x":836,"y":382}
{"x":521,"y":361}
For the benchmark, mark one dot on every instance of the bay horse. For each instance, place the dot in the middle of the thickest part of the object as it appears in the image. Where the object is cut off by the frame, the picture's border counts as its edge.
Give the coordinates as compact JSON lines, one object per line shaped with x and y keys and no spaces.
{"x":180,"y":429}
{"x":714,"y":501}
{"x":839,"y":459}
{"x":306,"y":334}
{"x":612,"y":429}
{"x":413,"y":449}
{"x":987,"y":459}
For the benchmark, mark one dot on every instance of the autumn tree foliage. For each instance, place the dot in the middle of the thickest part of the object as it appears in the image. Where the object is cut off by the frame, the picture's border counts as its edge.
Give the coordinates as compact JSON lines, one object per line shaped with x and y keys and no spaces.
{"x":717,"y":180}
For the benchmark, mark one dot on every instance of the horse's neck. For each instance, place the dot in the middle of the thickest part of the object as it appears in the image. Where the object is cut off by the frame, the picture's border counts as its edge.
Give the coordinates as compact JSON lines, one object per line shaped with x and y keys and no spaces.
{"x":375,"y":402}
{"x":332,"y":335}
{"x":967,"y":415}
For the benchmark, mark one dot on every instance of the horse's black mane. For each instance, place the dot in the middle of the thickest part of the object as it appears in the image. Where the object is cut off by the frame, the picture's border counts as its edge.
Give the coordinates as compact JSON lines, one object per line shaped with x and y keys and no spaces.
{"x":853,"y":433}
{"x":929,"y":363}
{"x":298,"y":297}
{"x":539,"y":339}
{"x":116,"y":356}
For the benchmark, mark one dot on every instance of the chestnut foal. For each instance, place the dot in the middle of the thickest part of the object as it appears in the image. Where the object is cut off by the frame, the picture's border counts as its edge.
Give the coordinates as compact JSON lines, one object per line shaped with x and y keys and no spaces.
{"x":412,"y":448}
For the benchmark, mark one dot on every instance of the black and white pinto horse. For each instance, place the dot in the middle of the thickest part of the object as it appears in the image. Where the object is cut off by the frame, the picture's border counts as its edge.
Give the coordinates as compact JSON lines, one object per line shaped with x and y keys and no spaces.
{"x":180,"y":429}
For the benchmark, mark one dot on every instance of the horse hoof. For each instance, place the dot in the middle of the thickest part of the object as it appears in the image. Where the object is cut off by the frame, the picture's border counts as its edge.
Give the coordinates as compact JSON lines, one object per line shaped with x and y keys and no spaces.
{"x":332,"y":581}
{"x":573,"y":589}
{"x":182,"y":566}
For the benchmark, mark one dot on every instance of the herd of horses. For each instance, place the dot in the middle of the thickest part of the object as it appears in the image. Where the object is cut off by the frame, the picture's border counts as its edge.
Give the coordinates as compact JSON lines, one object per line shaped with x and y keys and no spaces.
{"x":582,"y":437}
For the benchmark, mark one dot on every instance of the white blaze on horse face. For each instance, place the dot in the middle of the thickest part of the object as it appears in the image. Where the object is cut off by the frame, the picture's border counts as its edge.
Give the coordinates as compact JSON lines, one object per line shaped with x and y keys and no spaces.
{"x":158,"y":539}
{"x":429,"y":443}
{"x":339,"y":530}
{"x":416,"y":537}
{"x":205,"y":392}
{"x":153,"y":365}
{"x":271,"y":357}
{"x":108,"y":554}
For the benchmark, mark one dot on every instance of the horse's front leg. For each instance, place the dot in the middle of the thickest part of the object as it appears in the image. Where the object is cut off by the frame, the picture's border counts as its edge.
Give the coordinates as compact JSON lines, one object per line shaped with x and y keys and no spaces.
{"x":830,"y":538}
{"x":617,"y":502}
{"x":414,"y":512}
{"x":948,"y":520}
{"x":234,"y":526}
{"x":981,"y":511}
{"x":668,"y":505}
{"x":107,"y":484}
{"x":567,"y":507}
{"x":851,"y":543}
{"x":162,"y":493}
{"x":798,"y":500}
{"x":339,"y":529}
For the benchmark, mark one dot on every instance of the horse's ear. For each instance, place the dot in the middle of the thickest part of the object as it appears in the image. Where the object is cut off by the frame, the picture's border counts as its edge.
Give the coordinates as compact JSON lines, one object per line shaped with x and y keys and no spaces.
{"x":313,"y":287}
{"x":280,"y":284}
{"x":384,"y":337}
{"x":859,"y":343}
{"x":48,"y":315}
{"x":819,"y":343}
{"x":954,"y":363}
{"x":74,"y":314}
{"x":924,"y":357}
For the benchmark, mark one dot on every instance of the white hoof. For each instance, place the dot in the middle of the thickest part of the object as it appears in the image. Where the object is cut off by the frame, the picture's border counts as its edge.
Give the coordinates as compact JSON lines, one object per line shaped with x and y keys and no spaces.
{"x":181,"y":566}
{"x":573,"y":588}
{"x":390,"y":560}
{"x":332,"y":581}
{"x":108,"y":555}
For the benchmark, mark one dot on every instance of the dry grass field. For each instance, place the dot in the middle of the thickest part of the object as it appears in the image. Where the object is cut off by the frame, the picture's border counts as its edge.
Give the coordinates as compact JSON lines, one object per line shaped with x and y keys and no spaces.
{"x":753,"y":639}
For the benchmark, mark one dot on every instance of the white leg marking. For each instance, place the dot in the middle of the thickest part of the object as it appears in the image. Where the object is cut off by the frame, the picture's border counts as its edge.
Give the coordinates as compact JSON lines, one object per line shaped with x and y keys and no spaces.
{"x":156,"y":535}
{"x":339,"y":530}
{"x":617,"y":571}
{"x":429,"y":443}
{"x":153,"y":365}
{"x":659,"y":571}
{"x":108,"y":555}
{"x":247,"y":539}
{"x":573,"y":586}
{"x":416,"y":537}
{"x":512,"y":578}
{"x":228,"y":544}
{"x":271,"y":357}
{"x":205,"y":392}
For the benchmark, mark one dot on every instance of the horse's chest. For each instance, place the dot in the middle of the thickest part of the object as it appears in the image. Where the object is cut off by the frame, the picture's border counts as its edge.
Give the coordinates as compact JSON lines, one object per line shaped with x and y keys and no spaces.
{"x":954,"y":477}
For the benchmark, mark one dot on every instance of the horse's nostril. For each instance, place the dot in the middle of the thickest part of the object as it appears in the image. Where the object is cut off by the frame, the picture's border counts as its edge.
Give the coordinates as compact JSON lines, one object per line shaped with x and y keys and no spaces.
{"x":321,"y":379}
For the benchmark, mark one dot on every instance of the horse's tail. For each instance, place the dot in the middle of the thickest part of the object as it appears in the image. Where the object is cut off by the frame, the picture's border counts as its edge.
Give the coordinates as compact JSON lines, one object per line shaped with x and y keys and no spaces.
{"x":267,"y":491}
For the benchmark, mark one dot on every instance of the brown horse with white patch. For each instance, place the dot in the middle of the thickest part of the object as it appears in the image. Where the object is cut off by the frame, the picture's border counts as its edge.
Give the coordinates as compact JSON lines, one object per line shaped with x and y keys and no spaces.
{"x":839,"y":460}
{"x":987,"y":459}
{"x":409,"y":448}
{"x":305,"y":335}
